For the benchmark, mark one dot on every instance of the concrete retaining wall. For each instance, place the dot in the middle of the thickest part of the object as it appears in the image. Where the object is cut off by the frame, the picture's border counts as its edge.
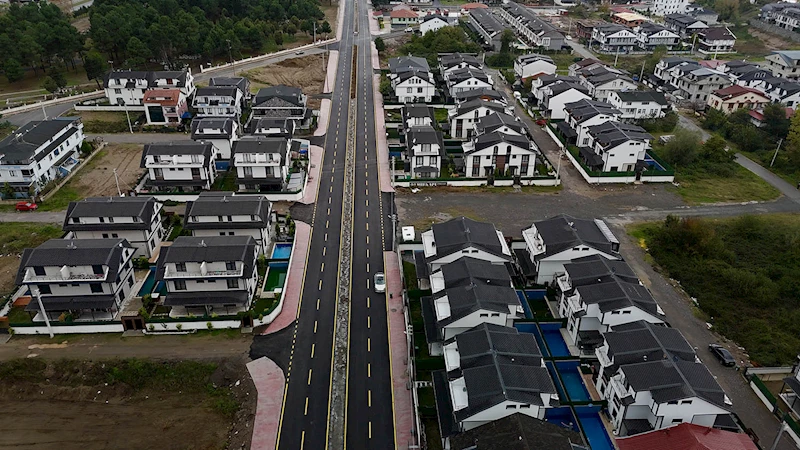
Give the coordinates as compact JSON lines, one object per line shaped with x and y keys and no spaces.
{"x":782,"y":32}
{"x":473,"y":183}
{"x":266,"y":55}
{"x":71,"y":329}
{"x":131,"y":108}
{"x":56,"y":101}
{"x":618,"y":180}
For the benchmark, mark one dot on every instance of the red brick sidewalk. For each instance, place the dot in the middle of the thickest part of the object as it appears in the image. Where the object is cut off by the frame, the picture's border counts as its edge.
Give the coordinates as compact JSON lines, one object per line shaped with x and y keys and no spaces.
{"x":315,"y":153}
{"x":403,"y":409}
{"x":270,"y":382}
{"x":294,"y":282}
{"x":380,"y":137}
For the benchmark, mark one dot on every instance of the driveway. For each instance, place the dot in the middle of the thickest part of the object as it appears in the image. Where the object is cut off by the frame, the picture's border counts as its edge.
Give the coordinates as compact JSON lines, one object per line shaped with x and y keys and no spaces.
{"x":580,"y":49}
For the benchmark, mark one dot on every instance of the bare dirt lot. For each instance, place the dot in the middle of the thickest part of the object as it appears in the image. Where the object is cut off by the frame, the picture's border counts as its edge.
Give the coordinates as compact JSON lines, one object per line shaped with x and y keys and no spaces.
{"x":97,"y":178}
{"x":307,"y":73}
{"x":124,"y":404}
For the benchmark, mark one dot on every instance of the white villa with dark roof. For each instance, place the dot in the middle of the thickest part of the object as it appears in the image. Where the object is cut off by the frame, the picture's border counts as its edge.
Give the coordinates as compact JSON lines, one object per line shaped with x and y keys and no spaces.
{"x":241,"y":83}
{"x":127,"y":88}
{"x":582,"y":115}
{"x":221,"y":132}
{"x":218,"y":101}
{"x":464,"y":238}
{"x":491,"y":372}
{"x":784,"y":63}
{"x":557,"y":94}
{"x":179,"y":165}
{"x":501,"y":123}
{"x":463,"y":118}
{"x":616,"y":147}
{"x":262,"y":163}
{"x":637,"y":105}
{"x":413,"y":86}
{"x":209,"y":275}
{"x":467,"y":79}
{"x":40,"y":152}
{"x":135,"y":219}
{"x":652,"y":379}
{"x":455,"y":61}
{"x":597,"y":293}
{"x":425,"y":150}
{"x":228,"y":214}
{"x":417,"y":114}
{"x":533,"y":65}
{"x":87,"y":278}
{"x":554,"y":242}
{"x":282,"y":102}
{"x":498,"y":153}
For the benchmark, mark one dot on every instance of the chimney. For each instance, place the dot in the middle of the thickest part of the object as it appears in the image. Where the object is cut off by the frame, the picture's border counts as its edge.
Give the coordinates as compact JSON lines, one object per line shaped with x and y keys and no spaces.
{"x":203,"y":243}
{"x":71,"y":245}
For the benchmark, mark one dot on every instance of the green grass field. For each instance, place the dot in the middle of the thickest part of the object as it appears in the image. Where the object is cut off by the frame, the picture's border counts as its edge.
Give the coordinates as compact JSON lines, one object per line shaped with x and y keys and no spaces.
{"x":744,"y":186}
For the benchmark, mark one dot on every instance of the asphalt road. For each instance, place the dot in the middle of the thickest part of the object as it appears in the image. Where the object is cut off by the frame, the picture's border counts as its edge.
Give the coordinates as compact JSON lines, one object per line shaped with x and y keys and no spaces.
{"x":370,"y":421}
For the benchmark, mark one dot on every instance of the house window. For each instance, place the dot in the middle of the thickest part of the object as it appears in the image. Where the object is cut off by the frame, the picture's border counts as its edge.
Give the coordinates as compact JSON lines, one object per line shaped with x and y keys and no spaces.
{"x":233,"y":283}
{"x":677,"y":420}
{"x":511,"y":406}
{"x":44,"y":289}
{"x":230,"y":265}
{"x":118,"y":91}
{"x":484,"y":315}
{"x":96,"y":287}
{"x":180,"y":267}
{"x":672,"y":402}
{"x":180,"y":285}
{"x":97,"y":269}
{"x":114,"y":235}
{"x":524,"y":406}
{"x":105,"y":235}
{"x":130,"y":282}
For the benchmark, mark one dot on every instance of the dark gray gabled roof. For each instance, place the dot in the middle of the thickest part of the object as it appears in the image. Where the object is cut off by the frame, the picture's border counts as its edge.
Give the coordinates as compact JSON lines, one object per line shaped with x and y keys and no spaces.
{"x":488,"y":343}
{"x":642,"y":341}
{"x":212,"y":127}
{"x":493,"y":384}
{"x":472,"y":105}
{"x":411,"y":73}
{"x":477,"y":94}
{"x":643,"y":96}
{"x":209,"y":249}
{"x":418,"y":110}
{"x":262,"y":144}
{"x":467,"y":271}
{"x":405,"y":63}
{"x":143,"y":208}
{"x":215,"y":204}
{"x":455,"y":59}
{"x":612,"y":134}
{"x":424,"y":134}
{"x":467,"y":73}
{"x":518,"y":432}
{"x":591,"y":269}
{"x":492,"y":122}
{"x":675,"y":379}
{"x":178,"y":148}
{"x":584,"y":109}
{"x":239,"y":82}
{"x":20,"y":146}
{"x":433,"y":16}
{"x":74,"y":252}
{"x":617,"y":293}
{"x":533,"y":57}
{"x":465,"y":300}
{"x":216,"y":91}
{"x":558,"y":88}
{"x":286,"y":126}
{"x":287,"y":94}
{"x":497,"y":138}
{"x":460,"y":233}
{"x":563,"y":232}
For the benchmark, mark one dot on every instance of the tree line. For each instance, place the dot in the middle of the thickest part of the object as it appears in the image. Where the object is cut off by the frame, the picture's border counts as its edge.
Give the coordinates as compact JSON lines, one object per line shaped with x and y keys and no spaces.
{"x":136,"y":32}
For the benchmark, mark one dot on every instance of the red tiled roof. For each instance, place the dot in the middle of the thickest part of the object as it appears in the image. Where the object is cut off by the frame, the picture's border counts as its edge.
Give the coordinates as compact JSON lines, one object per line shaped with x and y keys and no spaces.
{"x":758,"y":115}
{"x":377,"y":13}
{"x":711,"y":63}
{"x":735,"y":91}
{"x":687,"y":436}
{"x":403,"y":13}
{"x":164,"y":97}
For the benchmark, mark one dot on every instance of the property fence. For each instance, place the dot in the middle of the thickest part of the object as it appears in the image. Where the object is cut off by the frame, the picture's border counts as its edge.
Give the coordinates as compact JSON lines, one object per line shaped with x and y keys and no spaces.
{"x":544,"y":180}
{"x":783,"y":32}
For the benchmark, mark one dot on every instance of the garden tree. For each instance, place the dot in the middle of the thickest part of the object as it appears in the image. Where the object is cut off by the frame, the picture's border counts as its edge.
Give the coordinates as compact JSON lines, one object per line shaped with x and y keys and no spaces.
{"x":290,"y":28}
{"x":13,"y":70}
{"x":386,"y":87}
{"x":578,"y":11}
{"x":776,"y":124}
{"x":325,"y":27}
{"x":380,"y":45}
{"x":95,"y":66}
{"x":681,"y":150}
{"x":443,"y":40}
{"x":715,"y":119}
{"x":58,"y":77}
{"x":307,"y":26}
{"x":652,"y":60}
{"x":714,"y":150}
{"x":8,"y":191}
{"x":506,"y":39}
{"x":793,"y":142}
{"x":138,"y":54}
{"x":278,"y":37}
{"x":50,"y":85}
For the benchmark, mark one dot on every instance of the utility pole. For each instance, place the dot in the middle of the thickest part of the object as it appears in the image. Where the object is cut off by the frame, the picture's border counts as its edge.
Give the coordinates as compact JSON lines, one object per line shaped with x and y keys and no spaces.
{"x":393,"y":158}
{"x":128,"y":115}
{"x":641,"y":74}
{"x":325,"y":69}
{"x":38,"y":296}
{"x":116,"y":180}
{"x":230,"y":55}
{"x":44,"y":111}
{"x":780,"y":141}
{"x":616,"y":58}
{"x":779,"y":436}
{"x":315,"y":32}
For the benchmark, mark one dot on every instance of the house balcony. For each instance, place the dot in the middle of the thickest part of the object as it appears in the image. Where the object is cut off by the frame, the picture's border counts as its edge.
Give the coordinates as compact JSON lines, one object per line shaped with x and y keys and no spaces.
{"x":63,"y":275}
{"x":563,"y":283}
{"x":602,"y":356}
{"x":172,"y":162}
{"x":170,"y":273}
{"x":618,"y":388}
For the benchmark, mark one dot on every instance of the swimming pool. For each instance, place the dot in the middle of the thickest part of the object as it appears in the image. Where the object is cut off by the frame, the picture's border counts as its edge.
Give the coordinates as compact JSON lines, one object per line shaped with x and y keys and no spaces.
{"x":551,"y":332}
{"x":149,"y":283}
{"x":654,"y":165}
{"x":524,"y":302}
{"x":276,"y":275}
{"x":593,"y":427}
{"x":282,"y":251}
{"x":573,"y":381}
{"x":562,"y":417}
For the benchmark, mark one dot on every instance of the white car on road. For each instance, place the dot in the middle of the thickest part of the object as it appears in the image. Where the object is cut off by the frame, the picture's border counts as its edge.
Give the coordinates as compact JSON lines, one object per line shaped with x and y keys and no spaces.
{"x":380,"y":282}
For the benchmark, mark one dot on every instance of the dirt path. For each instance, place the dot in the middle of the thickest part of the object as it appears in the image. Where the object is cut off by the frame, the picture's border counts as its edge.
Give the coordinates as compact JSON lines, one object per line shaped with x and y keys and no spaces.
{"x":203,"y":346}
{"x":97,"y":180}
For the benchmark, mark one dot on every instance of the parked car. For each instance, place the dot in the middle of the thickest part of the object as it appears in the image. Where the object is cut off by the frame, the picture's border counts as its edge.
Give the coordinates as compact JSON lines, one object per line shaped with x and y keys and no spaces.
{"x":26,"y":206}
{"x":380,"y":282}
{"x":541,"y":122}
{"x":409,"y":30}
{"x":299,"y":52}
{"x":722,"y":354}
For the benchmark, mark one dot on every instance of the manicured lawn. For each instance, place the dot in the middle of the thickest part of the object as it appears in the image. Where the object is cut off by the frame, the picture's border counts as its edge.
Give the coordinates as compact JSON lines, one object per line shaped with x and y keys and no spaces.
{"x":18,"y":315}
{"x":264,"y":305}
{"x":744,"y":186}
{"x":226,"y":182}
{"x":743,"y":271}
{"x":440,"y":114}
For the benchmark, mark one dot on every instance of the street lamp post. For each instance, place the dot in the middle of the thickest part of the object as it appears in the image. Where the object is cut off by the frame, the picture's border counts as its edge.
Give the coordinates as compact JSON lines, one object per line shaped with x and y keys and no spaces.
{"x":230,"y":55}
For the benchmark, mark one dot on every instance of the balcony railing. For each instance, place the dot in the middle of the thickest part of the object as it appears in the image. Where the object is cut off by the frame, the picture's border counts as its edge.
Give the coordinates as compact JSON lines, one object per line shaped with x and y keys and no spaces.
{"x":171,"y":273}
{"x":65,"y":275}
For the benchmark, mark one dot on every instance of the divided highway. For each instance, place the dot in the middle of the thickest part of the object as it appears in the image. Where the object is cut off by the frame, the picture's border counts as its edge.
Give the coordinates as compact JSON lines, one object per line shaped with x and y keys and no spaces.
{"x":369,"y":409}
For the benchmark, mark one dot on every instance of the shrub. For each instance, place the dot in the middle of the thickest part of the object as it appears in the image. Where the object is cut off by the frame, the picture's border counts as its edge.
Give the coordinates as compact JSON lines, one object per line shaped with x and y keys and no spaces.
{"x":179,"y":326}
{"x":210,"y":325}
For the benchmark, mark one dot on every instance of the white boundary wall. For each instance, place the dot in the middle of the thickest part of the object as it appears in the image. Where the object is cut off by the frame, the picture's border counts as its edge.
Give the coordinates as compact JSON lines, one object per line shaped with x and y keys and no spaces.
{"x":617,"y":180}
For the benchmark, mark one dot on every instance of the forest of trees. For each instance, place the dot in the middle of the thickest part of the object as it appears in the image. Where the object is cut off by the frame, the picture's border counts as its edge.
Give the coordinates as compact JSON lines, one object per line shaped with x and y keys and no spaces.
{"x":39,"y":37}
{"x":131,"y":33}
{"x":135,"y":32}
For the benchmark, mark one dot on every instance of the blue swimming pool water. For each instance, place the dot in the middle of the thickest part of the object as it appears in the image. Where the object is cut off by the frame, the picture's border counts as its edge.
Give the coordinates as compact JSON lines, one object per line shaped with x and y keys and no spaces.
{"x":551,"y":332}
{"x":593,"y":428}
{"x":535,"y":294}
{"x":573,"y":382}
{"x":562,"y":417}
{"x":525,"y":305}
{"x":652,"y":162}
{"x":149,"y":283}
{"x":282,"y":251}
{"x":559,"y":387}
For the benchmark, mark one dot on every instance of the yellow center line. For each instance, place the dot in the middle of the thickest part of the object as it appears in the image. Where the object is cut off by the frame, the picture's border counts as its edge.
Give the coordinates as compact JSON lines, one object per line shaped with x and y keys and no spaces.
{"x":367,"y":267}
{"x":303,"y":437}
{"x":327,"y":223}
{"x":315,"y":326}
{"x":329,"y":211}
{"x":331,"y":189}
{"x":369,"y":344}
{"x":367,"y":226}
{"x":367,"y":214}
{"x":369,"y":398}
{"x":367,"y":239}
{"x":306,"y":410}
{"x":369,"y":322}
{"x":322,"y":268}
{"x":369,"y":370}
{"x":309,"y":376}
{"x":326,"y":237}
{"x":317,"y":304}
{"x":320,"y":285}
{"x":324,"y":249}
{"x":367,"y":302}
{"x":370,"y":433}
{"x":367,"y":253}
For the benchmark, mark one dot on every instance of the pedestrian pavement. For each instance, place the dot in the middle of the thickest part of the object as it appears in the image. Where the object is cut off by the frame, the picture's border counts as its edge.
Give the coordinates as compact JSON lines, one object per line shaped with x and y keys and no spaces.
{"x":294,"y":281}
{"x":270,"y":383}
{"x":398,"y":348}
{"x":140,"y":138}
{"x":315,"y":154}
